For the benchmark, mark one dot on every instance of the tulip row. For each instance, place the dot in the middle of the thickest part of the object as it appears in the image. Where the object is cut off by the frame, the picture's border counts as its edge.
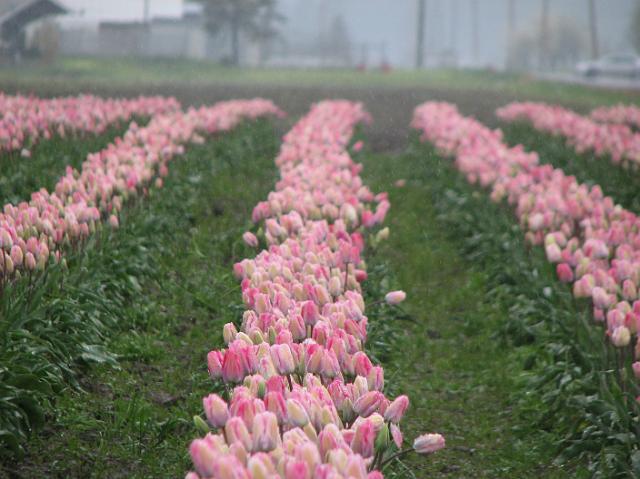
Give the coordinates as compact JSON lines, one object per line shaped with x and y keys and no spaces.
{"x":32,"y":233}
{"x":582,"y":133}
{"x":621,"y":114}
{"x":26,"y":120}
{"x":594,"y":243}
{"x":303,"y":400}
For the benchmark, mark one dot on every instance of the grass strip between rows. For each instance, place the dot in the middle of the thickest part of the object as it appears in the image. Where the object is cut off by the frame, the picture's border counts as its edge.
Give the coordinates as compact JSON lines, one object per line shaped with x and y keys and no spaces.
{"x":158,"y":273}
{"x":459,"y":258}
{"x":620,"y":183}
{"x":20,"y":176}
{"x":571,"y":389}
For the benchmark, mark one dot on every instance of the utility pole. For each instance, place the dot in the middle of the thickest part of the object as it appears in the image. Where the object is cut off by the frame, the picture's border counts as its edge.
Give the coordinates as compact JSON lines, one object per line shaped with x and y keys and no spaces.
{"x":593,"y":30}
{"x":475,"y":31}
{"x":511,"y":30}
{"x":422,"y":6}
{"x":544,"y":35}
{"x":145,"y":12}
{"x":453,"y":28}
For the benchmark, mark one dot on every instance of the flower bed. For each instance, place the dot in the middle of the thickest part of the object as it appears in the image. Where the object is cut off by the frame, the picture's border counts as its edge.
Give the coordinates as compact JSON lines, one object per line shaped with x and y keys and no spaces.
{"x":620,"y":114}
{"x":26,"y":120}
{"x":582,"y":133}
{"x":594,"y":243}
{"x":303,"y":400}
{"x":32,"y":233}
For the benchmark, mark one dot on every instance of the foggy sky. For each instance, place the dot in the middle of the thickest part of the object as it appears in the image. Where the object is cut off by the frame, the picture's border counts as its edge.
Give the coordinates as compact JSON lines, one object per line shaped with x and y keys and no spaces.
{"x":386,"y":28}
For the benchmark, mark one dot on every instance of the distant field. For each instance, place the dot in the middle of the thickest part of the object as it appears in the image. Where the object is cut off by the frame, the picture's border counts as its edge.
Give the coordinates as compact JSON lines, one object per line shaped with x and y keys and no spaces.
{"x":83,"y":73}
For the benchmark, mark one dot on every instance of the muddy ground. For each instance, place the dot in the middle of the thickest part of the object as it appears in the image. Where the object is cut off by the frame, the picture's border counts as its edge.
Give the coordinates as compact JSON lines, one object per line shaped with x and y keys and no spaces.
{"x":391,"y":107}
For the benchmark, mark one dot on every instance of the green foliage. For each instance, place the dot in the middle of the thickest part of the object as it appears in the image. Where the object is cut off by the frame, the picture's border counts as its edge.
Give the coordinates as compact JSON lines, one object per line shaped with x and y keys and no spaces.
{"x":22,"y":176}
{"x":616,"y":181}
{"x":571,"y":367}
{"x":92,"y":318}
{"x":255,"y":18}
{"x":116,"y":76}
{"x":462,"y":377}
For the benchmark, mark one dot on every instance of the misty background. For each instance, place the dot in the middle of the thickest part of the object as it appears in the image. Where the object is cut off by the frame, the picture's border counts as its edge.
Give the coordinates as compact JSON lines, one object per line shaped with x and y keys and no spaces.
{"x":493,"y":34}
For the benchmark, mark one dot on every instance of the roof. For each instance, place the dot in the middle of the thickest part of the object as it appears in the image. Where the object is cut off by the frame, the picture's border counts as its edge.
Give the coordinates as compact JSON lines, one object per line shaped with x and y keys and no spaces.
{"x":15,"y":14}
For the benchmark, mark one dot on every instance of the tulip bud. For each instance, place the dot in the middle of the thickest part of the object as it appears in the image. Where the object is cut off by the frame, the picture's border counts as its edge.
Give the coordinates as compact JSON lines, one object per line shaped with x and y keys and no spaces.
{"x":216,"y":410}
{"x":204,"y":457}
{"x":200,"y":424}
{"x":428,"y":443}
{"x":621,"y":336}
{"x":395,"y":297}
{"x":229,"y":332}
{"x":214,"y":363}
{"x":250,"y":239}
{"x":30,"y":261}
{"x":368,"y":403}
{"x":564,"y":272}
{"x":383,"y":234}
{"x":236,"y":431}
{"x":396,"y":434}
{"x":16,"y":255}
{"x":383,"y":439}
{"x":265,"y":432}
{"x":396,"y":409}
{"x":296,"y":413}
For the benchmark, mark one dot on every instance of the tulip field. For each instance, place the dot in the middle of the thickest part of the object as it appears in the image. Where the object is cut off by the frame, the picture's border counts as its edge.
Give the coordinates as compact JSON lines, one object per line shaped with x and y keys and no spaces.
{"x":246,"y":289}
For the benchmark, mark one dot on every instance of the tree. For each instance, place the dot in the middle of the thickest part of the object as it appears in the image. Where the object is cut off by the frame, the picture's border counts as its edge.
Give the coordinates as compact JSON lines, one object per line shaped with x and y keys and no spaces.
{"x":593,"y":30}
{"x":635,"y":27}
{"x":336,"y":43}
{"x":257,"y":19}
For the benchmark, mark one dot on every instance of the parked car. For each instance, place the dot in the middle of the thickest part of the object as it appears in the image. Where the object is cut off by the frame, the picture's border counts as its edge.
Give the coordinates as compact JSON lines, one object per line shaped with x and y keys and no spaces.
{"x":614,"y":64}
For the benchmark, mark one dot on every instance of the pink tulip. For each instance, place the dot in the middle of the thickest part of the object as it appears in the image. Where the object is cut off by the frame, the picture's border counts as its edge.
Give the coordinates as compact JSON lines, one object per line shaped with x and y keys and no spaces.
{"x":216,"y":410}
{"x":282,"y":359}
{"x":250,"y":239}
{"x":232,"y":367}
{"x":396,"y":409}
{"x":565,"y":273}
{"x":621,"y":337}
{"x":428,"y":443}
{"x":368,"y":403}
{"x":204,"y":457}
{"x":214,"y":363}
{"x":265,"y":432}
{"x":236,"y":431}
{"x":395,"y":297}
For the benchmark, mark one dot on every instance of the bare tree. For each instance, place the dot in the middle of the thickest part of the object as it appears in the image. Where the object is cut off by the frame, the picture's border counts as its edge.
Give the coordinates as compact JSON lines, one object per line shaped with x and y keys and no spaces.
{"x":593,"y":30}
{"x":475,"y":33}
{"x":511,"y":32}
{"x":635,"y":27}
{"x":543,"y":38}
{"x":420,"y":34}
{"x":256,"y":18}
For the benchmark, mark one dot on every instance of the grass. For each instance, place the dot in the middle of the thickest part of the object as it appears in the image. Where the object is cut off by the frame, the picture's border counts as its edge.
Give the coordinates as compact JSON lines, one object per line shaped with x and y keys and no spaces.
{"x":487,"y":318}
{"x":89,"y":73}
{"x":22,"y":176}
{"x":460,"y":377}
{"x":131,"y":415}
{"x":618,"y":182}
{"x":538,"y":374}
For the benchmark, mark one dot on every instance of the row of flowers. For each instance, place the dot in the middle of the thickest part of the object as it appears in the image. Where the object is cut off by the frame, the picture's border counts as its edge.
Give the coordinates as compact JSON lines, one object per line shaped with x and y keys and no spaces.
{"x":302,"y":399}
{"x":582,"y":133}
{"x":620,"y":114}
{"x":594,"y":243}
{"x":25,"y":120}
{"x":35,"y":232}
